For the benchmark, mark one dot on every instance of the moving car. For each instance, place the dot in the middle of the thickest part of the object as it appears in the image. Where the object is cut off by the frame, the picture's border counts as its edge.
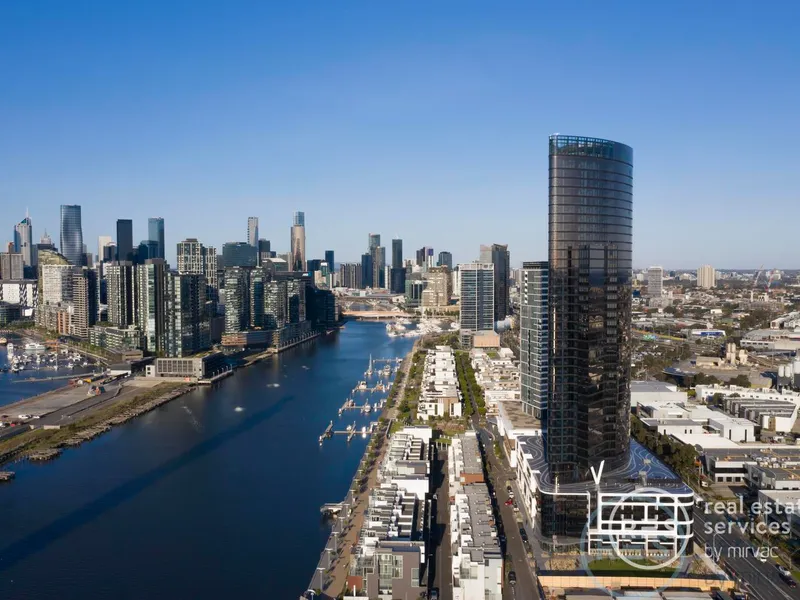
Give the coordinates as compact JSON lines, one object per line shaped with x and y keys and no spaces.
{"x":512,"y":577}
{"x":509,"y":502}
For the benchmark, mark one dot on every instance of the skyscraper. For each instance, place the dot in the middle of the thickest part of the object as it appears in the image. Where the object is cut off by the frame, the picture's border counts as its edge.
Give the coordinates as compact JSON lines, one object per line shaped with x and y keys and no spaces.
{"x":397,"y":253}
{"x":71,"y":234}
{"x":84,"y":297}
{"x":706,"y":277}
{"x":329,"y":260}
{"x":374,"y":240}
{"x":590,"y":241}
{"x":533,"y":337}
{"x":23,"y":243}
{"x":120,"y":292}
{"x":239,"y":254}
{"x":477,"y":300}
{"x":155,"y":233}
{"x":124,"y":239}
{"x":151,"y":303}
{"x":264,"y":251}
{"x":378,"y":262}
{"x":655,"y":282}
{"x":187,"y":328}
{"x":252,"y":231}
{"x":445,"y":260}
{"x":350,"y":275}
{"x":237,"y":299}
{"x":298,"y":239}
{"x":366,"y":270}
{"x":497,"y":254}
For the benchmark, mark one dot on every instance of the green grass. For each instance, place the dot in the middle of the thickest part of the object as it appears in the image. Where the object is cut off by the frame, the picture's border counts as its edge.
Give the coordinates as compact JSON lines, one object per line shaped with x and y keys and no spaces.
{"x":621,"y":568}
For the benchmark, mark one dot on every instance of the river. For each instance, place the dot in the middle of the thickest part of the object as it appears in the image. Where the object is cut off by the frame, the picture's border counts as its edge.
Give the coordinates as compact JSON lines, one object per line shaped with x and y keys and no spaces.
{"x":214,"y":495}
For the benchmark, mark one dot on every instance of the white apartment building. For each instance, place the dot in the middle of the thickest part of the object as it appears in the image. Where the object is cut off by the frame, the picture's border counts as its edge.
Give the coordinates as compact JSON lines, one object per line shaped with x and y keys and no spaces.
{"x":56,"y":284}
{"x":477,"y":561}
{"x":655,"y":282}
{"x":498,"y":375}
{"x":440,"y":396}
{"x":706,"y":277}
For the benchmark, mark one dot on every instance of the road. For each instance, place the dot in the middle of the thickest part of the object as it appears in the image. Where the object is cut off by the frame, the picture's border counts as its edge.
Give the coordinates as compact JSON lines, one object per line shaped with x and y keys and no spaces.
{"x":526,"y":586}
{"x":760,"y":580}
{"x":439,"y":574}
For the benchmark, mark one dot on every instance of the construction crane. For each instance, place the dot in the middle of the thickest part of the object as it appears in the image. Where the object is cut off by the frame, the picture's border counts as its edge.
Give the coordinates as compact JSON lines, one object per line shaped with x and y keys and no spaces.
{"x":758,"y":274}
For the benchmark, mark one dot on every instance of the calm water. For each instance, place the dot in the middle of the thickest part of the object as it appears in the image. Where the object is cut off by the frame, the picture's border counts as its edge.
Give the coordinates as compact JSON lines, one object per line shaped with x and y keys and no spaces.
{"x":196,"y":500}
{"x":11,"y":391}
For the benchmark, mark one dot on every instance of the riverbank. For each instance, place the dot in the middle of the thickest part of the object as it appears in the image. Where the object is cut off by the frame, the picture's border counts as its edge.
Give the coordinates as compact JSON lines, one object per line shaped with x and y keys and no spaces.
{"x":51,"y":439}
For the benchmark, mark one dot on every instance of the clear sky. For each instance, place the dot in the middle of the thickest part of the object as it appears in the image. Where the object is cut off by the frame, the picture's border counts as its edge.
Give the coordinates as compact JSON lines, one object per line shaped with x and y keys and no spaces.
{"x":423,"y":120}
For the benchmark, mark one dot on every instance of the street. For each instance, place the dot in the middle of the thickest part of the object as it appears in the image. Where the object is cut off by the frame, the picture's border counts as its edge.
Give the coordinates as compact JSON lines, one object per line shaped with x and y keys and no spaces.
{"x":760,"y":580}
{"x":440,"y":566}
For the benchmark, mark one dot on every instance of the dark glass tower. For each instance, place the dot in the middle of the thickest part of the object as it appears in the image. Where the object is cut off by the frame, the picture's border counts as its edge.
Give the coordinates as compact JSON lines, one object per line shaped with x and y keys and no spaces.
{"x":590,"y":241}
{"x":124,"y":239}
{"x":155,"y":233}
{"x":71,"y":234}
{"x":397,"y":254}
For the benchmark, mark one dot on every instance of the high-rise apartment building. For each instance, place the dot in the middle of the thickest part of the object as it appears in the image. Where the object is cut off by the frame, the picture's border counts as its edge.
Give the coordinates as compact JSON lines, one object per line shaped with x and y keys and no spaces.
{"x":84,"y":301}
{"x":498,"y":255}
{"x":120,"y":293}
{"x":438,"y":289}
{"x":252,"y":231}
{"x":275,"y":309}
{"x":71,"y":234}
{"x":706,"y":277}
{"x":150,"y":305}
{"x":298,"y":242}
{"x":445,"y":260}
{"x":295,"y":300}
{"x":155,"y":235}
{"x":533,"y":338}
{"x":125,"y":240}
{"x":23,"y":244}
{"x":237,"y":299}
{"x":590,"y":272}
{"x":655,"y":282}
{"x":55,"y":283}
{"x":350,"y":275}
{"x":187,"y":328}
{"x":477,"y":300}
{"x":190,"y":256}
{"x":12,"y":266}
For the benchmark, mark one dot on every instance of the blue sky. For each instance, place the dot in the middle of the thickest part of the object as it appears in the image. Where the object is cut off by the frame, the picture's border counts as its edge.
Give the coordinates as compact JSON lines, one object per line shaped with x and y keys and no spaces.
{"x":423,"y":120}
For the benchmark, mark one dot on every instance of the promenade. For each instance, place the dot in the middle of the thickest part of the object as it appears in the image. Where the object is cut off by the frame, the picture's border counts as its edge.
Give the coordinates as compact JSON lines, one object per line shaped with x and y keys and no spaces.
{"x":334,"y":566}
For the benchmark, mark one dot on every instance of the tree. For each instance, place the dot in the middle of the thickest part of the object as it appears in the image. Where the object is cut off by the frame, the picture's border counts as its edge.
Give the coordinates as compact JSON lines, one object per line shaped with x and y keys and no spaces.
{"x":741,"y":380}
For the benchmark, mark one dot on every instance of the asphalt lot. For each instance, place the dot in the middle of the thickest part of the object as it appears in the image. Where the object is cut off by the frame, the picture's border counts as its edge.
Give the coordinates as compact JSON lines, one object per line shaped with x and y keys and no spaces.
{"x":79,"y":406}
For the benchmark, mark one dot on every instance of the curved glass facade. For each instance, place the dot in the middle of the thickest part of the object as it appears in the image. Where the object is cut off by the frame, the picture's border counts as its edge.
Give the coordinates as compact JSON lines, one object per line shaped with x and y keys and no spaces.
{"x":71,"y":234}
{"x":590,"y":243}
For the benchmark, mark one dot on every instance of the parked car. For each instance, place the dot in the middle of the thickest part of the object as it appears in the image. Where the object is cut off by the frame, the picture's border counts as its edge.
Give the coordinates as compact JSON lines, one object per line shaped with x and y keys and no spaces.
{"x":434,"y":594}
{"x":512,"y":577}
{"x":509,"y":502}
{"x":523,"y":534}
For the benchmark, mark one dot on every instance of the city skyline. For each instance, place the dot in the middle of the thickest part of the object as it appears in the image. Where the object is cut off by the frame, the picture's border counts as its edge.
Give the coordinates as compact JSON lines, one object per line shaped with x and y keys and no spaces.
{"x":414,"y":123}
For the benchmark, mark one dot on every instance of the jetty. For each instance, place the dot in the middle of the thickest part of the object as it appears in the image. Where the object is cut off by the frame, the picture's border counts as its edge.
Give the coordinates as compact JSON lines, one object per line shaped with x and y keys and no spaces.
{"x":327,"y":433}
{"x":43,"y":455}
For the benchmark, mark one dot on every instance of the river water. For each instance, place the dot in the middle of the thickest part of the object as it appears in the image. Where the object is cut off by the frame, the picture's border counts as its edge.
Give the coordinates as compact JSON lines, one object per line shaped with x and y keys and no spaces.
{"x":197,"y":499}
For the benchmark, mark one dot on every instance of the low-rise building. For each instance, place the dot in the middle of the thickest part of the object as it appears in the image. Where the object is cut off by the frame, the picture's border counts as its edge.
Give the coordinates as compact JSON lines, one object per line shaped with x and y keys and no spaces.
{"x":497,"y":372}
{"x":439,"y":396}
{"x":194,"y":368}
{"x":389,"y":560}
{"x":477,"y":561}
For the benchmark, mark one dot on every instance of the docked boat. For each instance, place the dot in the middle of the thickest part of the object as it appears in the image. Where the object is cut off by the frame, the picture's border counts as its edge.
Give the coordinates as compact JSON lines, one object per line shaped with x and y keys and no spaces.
{"x":3,"y":341}
{"x":35,"y":347}
{"x":362,"y":385}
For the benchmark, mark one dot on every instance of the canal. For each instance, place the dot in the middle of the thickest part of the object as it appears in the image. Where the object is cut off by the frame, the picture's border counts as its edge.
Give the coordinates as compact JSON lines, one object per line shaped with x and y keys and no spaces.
{"x":214,"y":495}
